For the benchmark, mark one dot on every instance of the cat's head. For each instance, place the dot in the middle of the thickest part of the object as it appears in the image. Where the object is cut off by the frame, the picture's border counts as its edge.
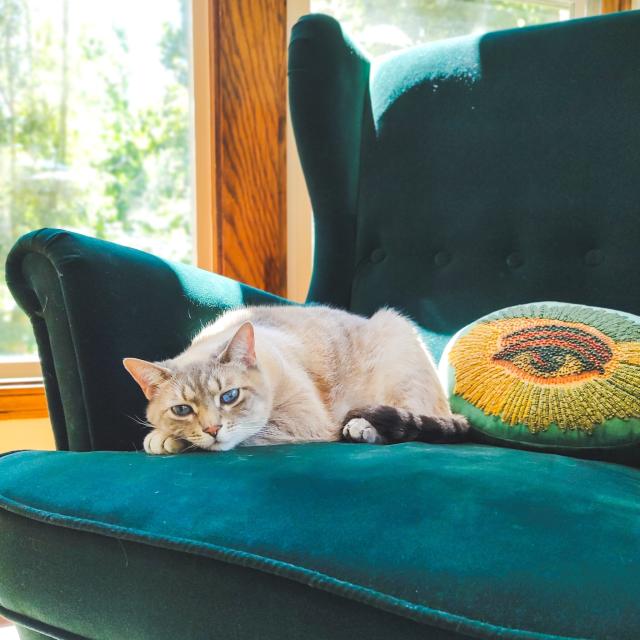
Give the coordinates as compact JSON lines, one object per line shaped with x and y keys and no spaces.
{"x":214,"y":402}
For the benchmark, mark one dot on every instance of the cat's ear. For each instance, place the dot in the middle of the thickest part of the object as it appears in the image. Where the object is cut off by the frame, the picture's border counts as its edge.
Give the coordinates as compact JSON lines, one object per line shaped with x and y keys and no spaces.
{"x":147,"y":374}
{"x":242,"y":347}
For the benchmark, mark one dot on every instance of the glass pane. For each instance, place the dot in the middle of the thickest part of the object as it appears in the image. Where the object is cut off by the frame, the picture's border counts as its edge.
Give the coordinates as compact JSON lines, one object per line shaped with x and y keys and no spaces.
{"x":94,"y":129}
{"x":380,"y":26}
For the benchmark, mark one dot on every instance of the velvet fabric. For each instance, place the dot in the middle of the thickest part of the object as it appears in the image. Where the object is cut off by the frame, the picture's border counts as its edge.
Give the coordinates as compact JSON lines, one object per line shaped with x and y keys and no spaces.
{"x":122,"y":590}
{"x":449,"y":181}
{"x":485,"y":542}
{"x":492,"y":170}
{"x":27,"y":633}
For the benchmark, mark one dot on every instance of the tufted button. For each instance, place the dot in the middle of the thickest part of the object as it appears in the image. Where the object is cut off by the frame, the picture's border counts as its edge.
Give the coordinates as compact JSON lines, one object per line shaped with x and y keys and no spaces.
{"x":378,"y":255}
{"x":442,"y":258}
{"x":514,"y":260}
{"x":593,"y":257}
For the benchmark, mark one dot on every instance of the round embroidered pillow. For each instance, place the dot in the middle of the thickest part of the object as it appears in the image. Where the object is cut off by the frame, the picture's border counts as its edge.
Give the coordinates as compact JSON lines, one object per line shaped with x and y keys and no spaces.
{"x":550,"y":375}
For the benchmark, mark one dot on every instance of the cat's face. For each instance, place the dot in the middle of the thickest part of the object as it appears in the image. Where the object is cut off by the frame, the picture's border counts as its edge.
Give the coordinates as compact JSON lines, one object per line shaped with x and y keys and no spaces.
{"x":215,"y":403}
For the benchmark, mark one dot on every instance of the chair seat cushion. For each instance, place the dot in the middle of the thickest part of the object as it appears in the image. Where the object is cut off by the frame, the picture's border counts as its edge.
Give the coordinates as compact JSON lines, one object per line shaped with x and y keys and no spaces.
{"x":321,"y":540}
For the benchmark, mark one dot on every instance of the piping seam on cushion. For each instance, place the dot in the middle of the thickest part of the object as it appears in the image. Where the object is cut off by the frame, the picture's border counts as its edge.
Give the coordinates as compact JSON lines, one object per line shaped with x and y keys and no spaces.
{"x":316,"y":579}
{"x":39,"y":627}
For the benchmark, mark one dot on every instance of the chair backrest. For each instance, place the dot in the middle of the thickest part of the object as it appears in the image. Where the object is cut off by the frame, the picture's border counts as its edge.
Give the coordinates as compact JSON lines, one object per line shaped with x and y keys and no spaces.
{"x":457,"y":178}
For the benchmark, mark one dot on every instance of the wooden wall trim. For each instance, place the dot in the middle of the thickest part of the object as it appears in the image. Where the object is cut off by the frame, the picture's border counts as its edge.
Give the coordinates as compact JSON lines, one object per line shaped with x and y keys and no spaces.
{"x":248,"y":160}
{"x":299,"y":212}
{"x":613,"y":6}
{"x":21,"y":399}
{"x":203,"y":69}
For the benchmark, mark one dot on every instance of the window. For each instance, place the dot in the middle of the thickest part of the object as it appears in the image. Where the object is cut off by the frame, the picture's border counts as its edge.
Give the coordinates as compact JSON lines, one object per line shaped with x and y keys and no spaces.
{"x":95,"y":101}
{"x":381,"y":27}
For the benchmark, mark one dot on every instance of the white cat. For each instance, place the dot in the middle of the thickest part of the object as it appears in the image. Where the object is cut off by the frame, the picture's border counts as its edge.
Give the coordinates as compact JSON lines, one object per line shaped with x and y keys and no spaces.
{"x":278,"y":374}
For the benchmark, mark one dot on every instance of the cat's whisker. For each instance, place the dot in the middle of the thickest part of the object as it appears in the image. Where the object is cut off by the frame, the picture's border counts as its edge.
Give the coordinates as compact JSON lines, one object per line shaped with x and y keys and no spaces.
{"x":140,"y":421}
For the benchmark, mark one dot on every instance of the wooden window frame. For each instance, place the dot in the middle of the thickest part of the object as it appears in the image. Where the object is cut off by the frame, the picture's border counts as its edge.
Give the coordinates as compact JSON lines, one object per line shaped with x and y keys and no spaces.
{"x":20,"y":367}
{"x":22,"y":390}
{"x":299,"y":212}
{"x":239,"y":126}
{"x":613,"y":6}
{"x":22,"y":398}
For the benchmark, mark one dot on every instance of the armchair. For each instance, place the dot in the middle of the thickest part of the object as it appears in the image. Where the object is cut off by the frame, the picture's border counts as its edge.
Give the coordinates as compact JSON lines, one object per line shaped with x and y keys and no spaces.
{"x":448,"y":180}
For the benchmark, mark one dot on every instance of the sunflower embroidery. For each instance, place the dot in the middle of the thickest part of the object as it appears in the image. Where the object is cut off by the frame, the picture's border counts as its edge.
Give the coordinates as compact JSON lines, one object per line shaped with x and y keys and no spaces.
{"x":545,"y":364}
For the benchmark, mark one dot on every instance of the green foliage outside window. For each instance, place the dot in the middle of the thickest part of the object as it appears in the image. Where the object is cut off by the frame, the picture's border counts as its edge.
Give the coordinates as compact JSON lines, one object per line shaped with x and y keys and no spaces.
{"x":382,"y":26}
{"x":81,"y":147}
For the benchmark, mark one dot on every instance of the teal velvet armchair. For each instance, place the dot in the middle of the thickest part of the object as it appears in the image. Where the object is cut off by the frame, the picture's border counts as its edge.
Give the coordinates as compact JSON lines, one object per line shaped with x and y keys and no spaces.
{"x":449,"y":180}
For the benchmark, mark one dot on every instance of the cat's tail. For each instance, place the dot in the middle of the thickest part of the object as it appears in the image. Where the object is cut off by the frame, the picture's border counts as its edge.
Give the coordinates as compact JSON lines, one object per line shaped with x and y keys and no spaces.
{"x":386,"y":425}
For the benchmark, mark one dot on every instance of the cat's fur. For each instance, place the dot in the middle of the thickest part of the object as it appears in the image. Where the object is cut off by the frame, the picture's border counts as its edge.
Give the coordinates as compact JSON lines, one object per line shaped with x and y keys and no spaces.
{"x":304,"y":374}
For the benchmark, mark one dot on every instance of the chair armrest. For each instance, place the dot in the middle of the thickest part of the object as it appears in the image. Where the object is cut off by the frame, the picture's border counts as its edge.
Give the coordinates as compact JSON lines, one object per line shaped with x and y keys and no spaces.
{"x":92,"y":303}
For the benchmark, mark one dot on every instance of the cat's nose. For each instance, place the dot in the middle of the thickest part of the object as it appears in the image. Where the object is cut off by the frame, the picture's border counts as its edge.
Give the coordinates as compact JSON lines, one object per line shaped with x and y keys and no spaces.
{"x":213,"y":429}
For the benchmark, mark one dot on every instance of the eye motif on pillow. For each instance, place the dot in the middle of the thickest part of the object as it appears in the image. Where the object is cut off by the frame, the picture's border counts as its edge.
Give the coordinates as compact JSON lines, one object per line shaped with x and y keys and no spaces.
{"x":549,"y":369}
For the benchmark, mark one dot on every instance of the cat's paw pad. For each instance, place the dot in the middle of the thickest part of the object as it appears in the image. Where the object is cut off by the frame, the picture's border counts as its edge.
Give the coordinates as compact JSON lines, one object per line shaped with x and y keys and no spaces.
{"x":360,"y":430}
{"x":159,"y":444}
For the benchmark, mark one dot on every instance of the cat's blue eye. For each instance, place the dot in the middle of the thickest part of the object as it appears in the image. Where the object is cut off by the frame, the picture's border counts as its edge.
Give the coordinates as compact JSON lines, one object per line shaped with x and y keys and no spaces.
{"x":229,"y":396}
{"x":182,"y":410}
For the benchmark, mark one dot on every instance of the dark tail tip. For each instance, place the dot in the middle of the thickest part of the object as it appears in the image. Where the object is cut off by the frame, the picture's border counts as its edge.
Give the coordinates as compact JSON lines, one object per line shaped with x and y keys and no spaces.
{"x":460,"y":423}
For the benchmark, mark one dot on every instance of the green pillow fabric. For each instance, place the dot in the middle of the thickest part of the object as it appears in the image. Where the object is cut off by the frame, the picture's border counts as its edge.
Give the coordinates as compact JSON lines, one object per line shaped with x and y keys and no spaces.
{"x":556,"y":376}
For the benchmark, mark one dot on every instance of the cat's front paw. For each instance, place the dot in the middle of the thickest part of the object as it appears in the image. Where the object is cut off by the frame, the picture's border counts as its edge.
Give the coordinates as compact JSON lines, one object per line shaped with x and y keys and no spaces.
{"x":161,"y":444}
{"x":360,"y":430}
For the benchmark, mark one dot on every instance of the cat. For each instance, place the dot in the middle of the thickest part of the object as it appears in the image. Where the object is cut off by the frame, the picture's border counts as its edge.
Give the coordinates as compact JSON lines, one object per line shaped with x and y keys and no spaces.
{"x":280,"y":374}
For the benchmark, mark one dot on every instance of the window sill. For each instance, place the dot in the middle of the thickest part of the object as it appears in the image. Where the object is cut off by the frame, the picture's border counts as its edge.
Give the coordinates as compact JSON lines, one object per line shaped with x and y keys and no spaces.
{"x":22,"y":398}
